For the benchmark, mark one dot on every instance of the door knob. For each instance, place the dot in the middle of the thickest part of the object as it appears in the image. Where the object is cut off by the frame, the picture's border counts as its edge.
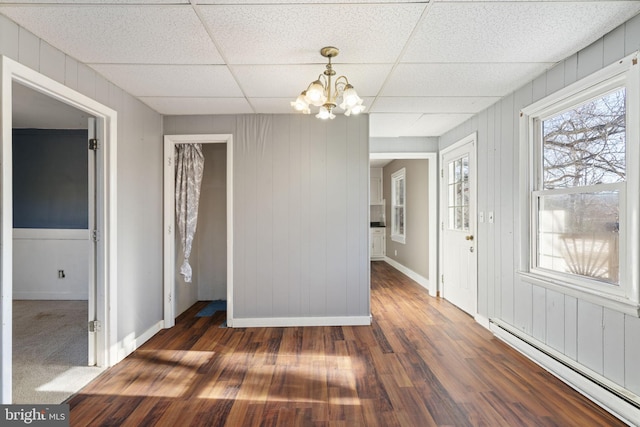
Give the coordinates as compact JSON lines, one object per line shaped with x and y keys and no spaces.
{"x":468,"y":238}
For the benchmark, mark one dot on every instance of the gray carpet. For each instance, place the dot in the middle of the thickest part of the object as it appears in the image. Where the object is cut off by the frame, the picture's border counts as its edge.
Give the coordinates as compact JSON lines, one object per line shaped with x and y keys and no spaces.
{"x":50,"y":349}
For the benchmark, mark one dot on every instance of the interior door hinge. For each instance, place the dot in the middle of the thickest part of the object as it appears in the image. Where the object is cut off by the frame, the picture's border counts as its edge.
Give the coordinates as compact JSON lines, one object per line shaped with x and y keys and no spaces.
{"x":93,"y":144}
{"x":441,"y":173}
{"x":95,"y":326}
{"x":442,"y":278}
{"x":94,"y":235}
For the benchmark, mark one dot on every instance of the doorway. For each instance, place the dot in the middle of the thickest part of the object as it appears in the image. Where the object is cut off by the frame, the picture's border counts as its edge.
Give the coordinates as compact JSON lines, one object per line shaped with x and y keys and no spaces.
{"x":430,"y":187}
{"x":171,"y":287}
{"x":104,"y":273}
{"x":458,"y":224}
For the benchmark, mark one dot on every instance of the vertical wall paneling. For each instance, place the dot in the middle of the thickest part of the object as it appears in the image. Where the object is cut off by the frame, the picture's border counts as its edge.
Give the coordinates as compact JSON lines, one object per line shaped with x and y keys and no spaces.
{"x":336,"y":207}
{"x":555,"y":78}
{"x":9,"y":38}
{"x":508,"y":179}
{"x":554,"y":318}
{"x":359,"y":131}
{"x":492,"y":189}
{"x":632,"y":353}
{"x":319,"y":200}
{"x":482,"y":245}
{"x":307,"y":228}
{"x":613,"y":46}
{"x":293,"y":222}
{"x":571,"y":69}
{"x":587,"y":333}
{"x":539,"y":87}
{"x":590,"y":58}
{"x":71,"y":73}
{"x":29,"y":49}
{"x":539,"y":314}
{"x":52,"y":62}
{"x":86,"y":80}
{"x":264,"y":218}
{"x":632,"y":35}
{"x":318,"y":171}
{"x":590,"y":339}
{"x":613,"y":345}
{"x":571,"y":327}
{"x":280,"y":224}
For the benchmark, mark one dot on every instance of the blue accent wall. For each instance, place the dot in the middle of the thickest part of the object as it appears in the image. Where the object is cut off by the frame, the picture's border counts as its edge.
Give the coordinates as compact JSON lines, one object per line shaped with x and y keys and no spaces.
{"x":50,"y":179}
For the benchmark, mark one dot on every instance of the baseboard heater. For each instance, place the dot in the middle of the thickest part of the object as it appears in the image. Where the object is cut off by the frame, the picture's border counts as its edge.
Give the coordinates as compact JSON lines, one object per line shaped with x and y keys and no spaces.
{"x":620,"y":402}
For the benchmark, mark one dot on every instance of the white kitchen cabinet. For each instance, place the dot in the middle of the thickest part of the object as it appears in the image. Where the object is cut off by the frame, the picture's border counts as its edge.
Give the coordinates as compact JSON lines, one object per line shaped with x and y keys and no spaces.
{"x":375,"y":191}
{"x":375,"y":186}
{"x":377,"y":243}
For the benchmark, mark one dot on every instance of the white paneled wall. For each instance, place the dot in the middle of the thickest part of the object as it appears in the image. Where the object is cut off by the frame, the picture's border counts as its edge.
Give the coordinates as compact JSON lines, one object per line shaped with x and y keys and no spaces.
{"x":601,"y":340}
{"x":139,"y":173}
{"x":300,"y":215}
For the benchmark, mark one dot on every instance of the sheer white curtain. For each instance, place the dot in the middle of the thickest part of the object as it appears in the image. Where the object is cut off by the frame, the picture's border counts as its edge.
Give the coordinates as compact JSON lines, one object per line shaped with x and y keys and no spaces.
{"x":189,"y":170}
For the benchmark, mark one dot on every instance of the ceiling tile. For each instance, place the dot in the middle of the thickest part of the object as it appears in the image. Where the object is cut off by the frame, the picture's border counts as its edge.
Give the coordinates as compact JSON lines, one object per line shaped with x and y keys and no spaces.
{"x":197,"y":106}
{"x":433,"y":104}
{"x":121,"y":34}
{"x":269,"y":81}
{"x":295,"y":33}
{"x":460,"y":79}
{"x":172,"y":80}
{"x":513,"y":32}
{"x":390,"y":125}
{"x":435,"y":124}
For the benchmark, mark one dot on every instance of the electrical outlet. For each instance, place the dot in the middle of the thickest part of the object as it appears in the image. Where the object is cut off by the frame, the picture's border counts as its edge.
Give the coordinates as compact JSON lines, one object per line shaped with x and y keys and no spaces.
{"x":61,"y":274}
{"x":395,"y":252}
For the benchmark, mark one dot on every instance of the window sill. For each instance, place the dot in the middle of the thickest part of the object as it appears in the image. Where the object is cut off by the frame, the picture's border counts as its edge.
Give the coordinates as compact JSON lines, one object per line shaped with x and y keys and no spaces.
{"x":399,"y":239}
{"x":613,"y":302}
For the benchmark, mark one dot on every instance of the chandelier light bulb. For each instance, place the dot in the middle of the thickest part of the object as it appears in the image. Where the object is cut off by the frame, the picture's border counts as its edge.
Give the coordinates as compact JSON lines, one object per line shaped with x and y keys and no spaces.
{"x":350,"y":97}
{"x":325,"y":114}
{"x":301,"y":104}
{"x":315,"y":94}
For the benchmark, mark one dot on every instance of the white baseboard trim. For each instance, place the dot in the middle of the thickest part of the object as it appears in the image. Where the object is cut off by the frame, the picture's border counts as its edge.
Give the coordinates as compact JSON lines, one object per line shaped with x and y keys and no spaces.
{"x":588,"y":383}
{"x":130,"y":343}
{"x":276,"y":322}
{"x":483,"y":321}
{"x":421,"y":280}
{"x":54,"y":296}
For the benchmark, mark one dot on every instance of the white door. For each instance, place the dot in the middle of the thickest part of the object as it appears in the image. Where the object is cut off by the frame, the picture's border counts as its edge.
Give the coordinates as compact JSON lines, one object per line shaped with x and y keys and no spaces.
{"x":458,"y":225}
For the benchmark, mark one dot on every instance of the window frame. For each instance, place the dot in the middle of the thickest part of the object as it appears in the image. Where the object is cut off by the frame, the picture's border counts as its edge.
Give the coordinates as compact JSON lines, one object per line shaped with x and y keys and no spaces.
{"x":399,"y":175}
{"x":624,"y":297}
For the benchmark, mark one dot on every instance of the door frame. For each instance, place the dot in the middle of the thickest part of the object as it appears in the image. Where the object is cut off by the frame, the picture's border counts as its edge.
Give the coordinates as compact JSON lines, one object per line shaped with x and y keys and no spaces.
{"x":469,"y":139}
{"x":106,"y":213}
{"x":433,"y":209}
{"x":169,"y":282}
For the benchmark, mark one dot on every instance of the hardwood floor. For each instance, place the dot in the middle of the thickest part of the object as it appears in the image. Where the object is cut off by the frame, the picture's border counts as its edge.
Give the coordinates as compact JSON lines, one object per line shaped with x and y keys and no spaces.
{"x":423,"y":362}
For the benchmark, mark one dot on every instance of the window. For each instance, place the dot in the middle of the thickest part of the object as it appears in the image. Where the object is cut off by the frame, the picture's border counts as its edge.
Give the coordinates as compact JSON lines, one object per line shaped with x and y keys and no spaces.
{"x":398,"y":206}
{"x":580,"y":188}
{"x":458,"y":194}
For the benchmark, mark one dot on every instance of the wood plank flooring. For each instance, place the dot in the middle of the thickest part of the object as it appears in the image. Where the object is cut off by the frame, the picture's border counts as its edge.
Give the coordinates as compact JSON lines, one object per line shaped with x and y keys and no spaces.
{"x":423,"y":362}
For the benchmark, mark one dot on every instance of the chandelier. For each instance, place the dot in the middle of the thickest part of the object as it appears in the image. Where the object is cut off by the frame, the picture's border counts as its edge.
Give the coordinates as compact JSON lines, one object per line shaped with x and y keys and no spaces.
{"x":325,"y":94}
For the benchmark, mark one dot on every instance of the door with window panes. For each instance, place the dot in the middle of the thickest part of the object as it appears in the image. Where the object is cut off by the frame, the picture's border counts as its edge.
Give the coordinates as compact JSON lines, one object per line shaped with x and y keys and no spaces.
{"x":459,"y":265}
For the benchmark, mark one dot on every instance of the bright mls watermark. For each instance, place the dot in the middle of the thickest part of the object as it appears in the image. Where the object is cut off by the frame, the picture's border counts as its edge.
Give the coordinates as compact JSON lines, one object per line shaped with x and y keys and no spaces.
{"x":37,"y":415}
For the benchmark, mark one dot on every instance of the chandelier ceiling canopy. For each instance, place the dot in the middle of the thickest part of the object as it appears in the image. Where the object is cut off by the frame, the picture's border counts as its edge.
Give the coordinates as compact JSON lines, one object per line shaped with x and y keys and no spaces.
{"x":325,"y":93}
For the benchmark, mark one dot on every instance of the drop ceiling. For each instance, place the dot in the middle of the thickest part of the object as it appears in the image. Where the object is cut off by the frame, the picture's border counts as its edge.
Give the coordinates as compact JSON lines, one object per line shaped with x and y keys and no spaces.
{"x":421,"y":67}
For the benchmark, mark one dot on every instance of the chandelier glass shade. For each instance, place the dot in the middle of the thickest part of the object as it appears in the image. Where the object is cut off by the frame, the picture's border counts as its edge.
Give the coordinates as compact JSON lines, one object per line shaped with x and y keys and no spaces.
{"x":327,"y":90}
